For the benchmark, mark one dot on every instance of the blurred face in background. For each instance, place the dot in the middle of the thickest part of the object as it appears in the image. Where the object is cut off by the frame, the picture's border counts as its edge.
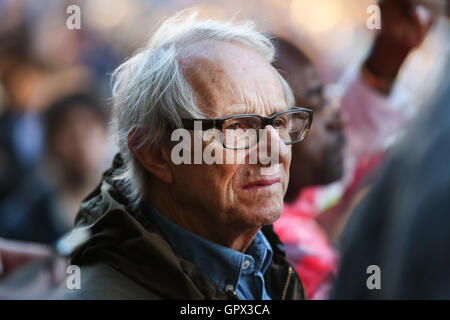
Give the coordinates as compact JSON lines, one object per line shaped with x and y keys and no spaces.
{"x":78,"y":142}
{"x":320,"y":157}
{"x":318,"y":160}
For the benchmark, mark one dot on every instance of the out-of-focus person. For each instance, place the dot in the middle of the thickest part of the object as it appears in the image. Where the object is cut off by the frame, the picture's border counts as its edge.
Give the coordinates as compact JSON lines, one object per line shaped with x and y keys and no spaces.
{"x":396,"y":243}
{"x":320,"y":159}
{"x":21,"y":138}
{"x":317,"y":161}
{"x":27,"y":85}
{"x":77,"y":149}
{"x":377,"y":110}
{"x":75,"y":129}
{"x":20,"y":131}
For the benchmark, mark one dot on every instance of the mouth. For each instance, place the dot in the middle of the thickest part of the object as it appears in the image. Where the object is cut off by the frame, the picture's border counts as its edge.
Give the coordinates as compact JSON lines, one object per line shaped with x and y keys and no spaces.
{"x":261,"y":184}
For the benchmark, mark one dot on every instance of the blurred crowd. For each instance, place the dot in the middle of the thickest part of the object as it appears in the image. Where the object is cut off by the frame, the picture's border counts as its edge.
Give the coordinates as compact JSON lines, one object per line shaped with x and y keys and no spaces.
{"x":54,"y":110}
{"x":54,"y":120}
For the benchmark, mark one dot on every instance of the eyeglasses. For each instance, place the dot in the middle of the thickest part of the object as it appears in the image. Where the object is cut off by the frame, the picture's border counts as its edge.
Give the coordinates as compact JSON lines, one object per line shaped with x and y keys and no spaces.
{"x":242,"y":131}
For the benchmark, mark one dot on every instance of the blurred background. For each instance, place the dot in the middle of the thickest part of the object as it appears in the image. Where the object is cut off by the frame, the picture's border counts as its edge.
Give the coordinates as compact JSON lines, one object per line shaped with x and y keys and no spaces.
{"x":54,"y":88}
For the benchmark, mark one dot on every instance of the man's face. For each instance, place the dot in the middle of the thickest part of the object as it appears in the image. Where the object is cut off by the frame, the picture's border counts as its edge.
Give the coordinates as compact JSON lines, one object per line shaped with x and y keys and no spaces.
{"x":232,"y":79}
{"x":318,"y":160}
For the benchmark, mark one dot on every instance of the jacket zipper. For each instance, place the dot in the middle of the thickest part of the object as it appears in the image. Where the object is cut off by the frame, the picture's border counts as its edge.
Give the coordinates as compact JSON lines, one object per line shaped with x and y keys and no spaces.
{"x":289,"y":276}
{"x":233,"y":295}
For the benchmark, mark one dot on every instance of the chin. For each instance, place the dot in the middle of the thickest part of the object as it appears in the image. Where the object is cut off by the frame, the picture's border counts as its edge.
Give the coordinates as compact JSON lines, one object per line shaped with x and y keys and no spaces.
{"x":264,"y":215}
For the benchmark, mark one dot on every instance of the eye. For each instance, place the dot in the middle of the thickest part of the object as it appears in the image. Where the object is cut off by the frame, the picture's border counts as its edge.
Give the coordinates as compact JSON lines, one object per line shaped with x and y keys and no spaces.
{"x":242,"y":124}
{"x":234,"y":126}
{"x":279,"y":123}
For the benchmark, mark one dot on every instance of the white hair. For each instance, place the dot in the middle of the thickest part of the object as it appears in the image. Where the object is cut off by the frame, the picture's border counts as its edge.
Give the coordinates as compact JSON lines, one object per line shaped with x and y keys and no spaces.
{"x":149,"y":90}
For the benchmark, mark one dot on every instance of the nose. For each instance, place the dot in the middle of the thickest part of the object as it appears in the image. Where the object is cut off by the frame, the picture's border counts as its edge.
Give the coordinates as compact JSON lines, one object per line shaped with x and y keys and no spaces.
{"x":271,"y":149}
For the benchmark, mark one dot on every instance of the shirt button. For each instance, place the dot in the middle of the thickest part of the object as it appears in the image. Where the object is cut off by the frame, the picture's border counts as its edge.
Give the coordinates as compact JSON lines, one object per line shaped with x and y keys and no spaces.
{"x":229,"y":288}
{"x":246,"y":264}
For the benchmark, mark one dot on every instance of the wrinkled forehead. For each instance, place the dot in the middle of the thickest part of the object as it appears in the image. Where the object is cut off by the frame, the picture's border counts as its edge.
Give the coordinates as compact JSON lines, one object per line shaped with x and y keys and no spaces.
{"x":230,"y":78}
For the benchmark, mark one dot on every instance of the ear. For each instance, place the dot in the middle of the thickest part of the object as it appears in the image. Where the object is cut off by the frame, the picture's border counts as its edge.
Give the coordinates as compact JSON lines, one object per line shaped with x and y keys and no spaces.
{"x":155,"y":160}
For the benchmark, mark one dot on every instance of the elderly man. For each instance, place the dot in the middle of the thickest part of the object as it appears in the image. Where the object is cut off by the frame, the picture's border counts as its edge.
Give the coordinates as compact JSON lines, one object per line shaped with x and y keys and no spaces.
{"x":165,"y":230}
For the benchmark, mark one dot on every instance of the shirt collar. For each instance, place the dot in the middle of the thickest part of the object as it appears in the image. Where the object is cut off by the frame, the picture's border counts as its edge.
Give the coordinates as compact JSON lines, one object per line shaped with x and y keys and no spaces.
{"x":220,"y":265}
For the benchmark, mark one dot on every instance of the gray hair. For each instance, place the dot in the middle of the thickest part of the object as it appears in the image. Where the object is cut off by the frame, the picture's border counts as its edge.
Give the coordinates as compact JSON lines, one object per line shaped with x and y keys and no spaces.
{"x":149,"y":90}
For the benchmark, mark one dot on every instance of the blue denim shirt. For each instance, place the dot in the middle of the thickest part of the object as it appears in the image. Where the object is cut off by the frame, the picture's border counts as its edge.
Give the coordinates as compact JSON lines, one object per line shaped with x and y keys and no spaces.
{"x":229,"y":269}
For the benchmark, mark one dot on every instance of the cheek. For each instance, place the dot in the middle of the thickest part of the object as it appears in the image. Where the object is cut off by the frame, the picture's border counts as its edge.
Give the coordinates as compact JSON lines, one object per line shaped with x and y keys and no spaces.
{"x":316,"y":142}
{"x":213,"y":184}
{"x":225,"y":179}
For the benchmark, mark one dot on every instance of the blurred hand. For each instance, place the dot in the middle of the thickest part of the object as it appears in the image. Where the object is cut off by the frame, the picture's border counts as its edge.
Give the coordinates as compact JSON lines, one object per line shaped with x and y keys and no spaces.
{"x":15,"y":254}
{"x":403,"y":27}
{"x":405,"y":23}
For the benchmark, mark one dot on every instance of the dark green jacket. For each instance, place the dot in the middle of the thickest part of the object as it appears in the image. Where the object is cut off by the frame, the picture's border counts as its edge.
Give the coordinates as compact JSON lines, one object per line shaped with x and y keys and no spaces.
{"x":127,"y":258}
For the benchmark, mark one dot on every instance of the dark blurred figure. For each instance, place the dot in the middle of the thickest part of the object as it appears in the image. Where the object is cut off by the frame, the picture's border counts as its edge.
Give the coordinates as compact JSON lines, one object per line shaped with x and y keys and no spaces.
{"x":316,"y":161}
{"x":76,"y":136}
{"x":20,"y":134}
{"x":41,"y":61}
{"x":403,"y":224}
{"x":320,"y":159}
{"x":44,"y":205}
{"x":375,"y":121}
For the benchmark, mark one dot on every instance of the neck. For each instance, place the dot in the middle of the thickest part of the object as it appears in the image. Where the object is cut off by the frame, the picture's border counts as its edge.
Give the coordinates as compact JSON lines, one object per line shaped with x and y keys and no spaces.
{"x":204,"y":224}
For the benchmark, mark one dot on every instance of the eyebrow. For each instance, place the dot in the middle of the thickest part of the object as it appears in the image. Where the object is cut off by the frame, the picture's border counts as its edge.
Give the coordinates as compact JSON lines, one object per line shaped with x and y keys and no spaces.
{"x":245,"y":113}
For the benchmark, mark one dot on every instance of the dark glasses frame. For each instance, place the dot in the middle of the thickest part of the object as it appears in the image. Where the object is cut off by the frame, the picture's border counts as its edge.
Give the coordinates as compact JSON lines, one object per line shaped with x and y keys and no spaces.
{"x":265,"y":121}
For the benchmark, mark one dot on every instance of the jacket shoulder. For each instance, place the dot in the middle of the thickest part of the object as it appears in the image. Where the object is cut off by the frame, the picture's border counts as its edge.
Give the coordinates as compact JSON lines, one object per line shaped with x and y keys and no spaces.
{"x":100,"y":281}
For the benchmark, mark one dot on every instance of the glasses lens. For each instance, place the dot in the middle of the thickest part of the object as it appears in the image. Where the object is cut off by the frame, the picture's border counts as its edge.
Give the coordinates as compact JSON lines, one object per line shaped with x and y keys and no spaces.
{"x":241,"y":132}
{"x":292,"y":126}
